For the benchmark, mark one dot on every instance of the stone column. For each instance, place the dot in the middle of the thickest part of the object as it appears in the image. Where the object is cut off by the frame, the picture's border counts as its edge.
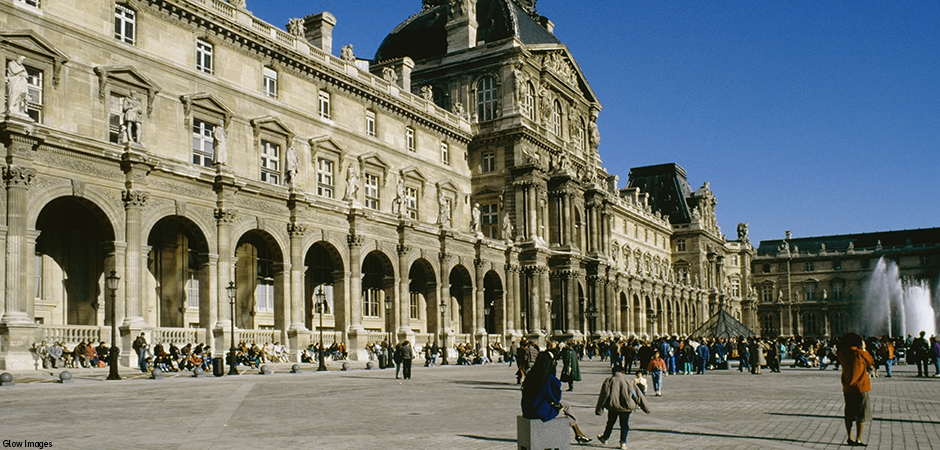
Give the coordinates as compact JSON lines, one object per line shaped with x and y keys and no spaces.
{"x":566,"y":218}
{"x":479,"y":266}
{"x":404,"y":310}
{"x":535,"y":300}
{"x":533,"y":208}
{"x":358,"y":338}
{"x":545,"y":287}
{"x":17,"y":329}
{"x":509,"y":302}
{"x":225,"y":219}
{"x":571,"y":292}
{"x":297,"y":232}
{"x":134,"y":201}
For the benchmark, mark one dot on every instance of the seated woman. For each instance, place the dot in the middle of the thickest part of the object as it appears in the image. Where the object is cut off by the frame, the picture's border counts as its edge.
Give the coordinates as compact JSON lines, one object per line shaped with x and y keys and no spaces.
{"x":541,"y":395}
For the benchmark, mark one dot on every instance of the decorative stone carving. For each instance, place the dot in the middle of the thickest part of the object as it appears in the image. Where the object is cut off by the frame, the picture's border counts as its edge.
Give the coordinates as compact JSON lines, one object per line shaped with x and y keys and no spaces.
{"x":296,"y":27}
{"x":240,"y":4}
{"x":225,"y":216}
{"x":404,"y":249}
{"x":352,"y":182}
{"x":458,"y":110}
{"x":17,"y":88}
{"x":475,"y":218}
{"x":346,"y":54}
{"x":291,"y":167}
{"x":559,"y":65}
{"x":443,"y":216}
{"x":259,"y":223}
{"x":134,"y":198}
{"x":398,"y":205}
{"x":455,"y":10}
{"x":507,"y":227}
{"x":427,"y":93}
{"x":78,"y":188}
{"x":296,"y":230}
{"x":742,"y":232}
{"x":388,"y":74}
{"x":17,"y":176}
{"x":354,"y":240}
{"x":181,"y":207}
{"x":594,"y":134}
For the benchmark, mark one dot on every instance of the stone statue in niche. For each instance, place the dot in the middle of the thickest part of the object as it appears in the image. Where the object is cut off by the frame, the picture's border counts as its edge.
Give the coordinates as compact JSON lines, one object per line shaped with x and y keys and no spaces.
{"x":475,"y":218}
{"x":398,"y":206}
{"x":295,"y":27}
{"x":132,"y":108}
{"x":388,"y":74}
{"x":346,"y":54}
{"x":507,"y":227}
{"x":594,"y":134}
{"x":221,"y":144}
{"x":458,"y":109}
{"x":352,"y":183}
{"x":17,"y":87}
{"x":443,"y":216}
{"x":291,"y":167}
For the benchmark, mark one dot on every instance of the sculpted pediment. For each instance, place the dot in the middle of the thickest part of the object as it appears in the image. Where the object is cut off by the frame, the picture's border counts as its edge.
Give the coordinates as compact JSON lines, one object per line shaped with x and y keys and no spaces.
{"x":559,"y":62}
{"x":34,"y":47}
{"x":327,"y":145}
{"x":128,"y":76}
{"x":273,"y":124}
{"x":208,"y":102}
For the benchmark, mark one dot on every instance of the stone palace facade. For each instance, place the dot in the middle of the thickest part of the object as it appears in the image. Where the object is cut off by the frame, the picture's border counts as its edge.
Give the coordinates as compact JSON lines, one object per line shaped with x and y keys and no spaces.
{"x":452,"y":184}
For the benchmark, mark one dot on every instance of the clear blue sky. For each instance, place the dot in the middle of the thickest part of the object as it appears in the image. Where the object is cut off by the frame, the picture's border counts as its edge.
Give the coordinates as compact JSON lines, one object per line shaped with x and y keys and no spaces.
{"x":816,"y":117}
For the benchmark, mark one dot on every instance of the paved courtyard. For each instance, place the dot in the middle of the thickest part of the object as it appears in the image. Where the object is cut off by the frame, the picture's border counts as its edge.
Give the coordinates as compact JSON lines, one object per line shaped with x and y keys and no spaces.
{"x":448,"y":407}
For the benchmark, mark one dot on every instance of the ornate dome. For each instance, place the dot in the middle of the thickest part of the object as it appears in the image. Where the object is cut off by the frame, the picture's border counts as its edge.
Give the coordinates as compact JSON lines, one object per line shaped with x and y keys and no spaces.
{"x":423,"y":36}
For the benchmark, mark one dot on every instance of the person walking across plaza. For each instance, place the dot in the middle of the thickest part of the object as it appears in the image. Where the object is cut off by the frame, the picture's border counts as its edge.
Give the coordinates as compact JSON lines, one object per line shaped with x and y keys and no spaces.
{"x":407,"y":355}
{"x":856,"y":384}
{"x":887,"y":354}
{"x":620,"y":397}
{"x":934,"y":356}
{"x":656,"y":369}
{"x":570,"y":369}
{"x":920,"y":348}
{"x":541,"y":395}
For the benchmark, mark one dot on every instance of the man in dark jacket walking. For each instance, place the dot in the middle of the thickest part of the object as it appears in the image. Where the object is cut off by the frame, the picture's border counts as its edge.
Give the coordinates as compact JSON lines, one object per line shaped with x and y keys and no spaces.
{"x":620,"y":397}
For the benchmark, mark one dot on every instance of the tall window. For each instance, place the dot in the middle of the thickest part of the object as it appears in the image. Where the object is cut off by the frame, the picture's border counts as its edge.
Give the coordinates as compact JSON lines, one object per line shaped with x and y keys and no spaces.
{"x":837,"y":290}
{"x":489,"y":220}
{"x":445,"y":154}
{"x":556,"y":118}
{"x":413,"y":303}
{"x":269,"y":80}
{"x":264,"y":294}
{"x":810,"y":324}
{"x":810,"y":290}
{"x":735,"y":288}
{"x":767,"y":325}
{"x":733,"y":260}
{"x":270,"y":162}
{"x":489,"y":162}
{"x":203,"y":56}
{"x":125,"y":24}
{"x":838,"y":324}
{"x":325,"y":178}
{"x":486,"y":99}
{"x":529,"y":102}
{"x":115,"y":118}
{"x":34,"y":95}
{"x":371,"y":188}
{"x":370,"y":302}
{"x":410,"y":139}
{"x":767,"y":294}
{"x":370,"y":123}
{"x":324,"y":105}
{"x":192,"y":280}
{"x":31,"y":2}
{"x":203,"y":143}
{"x":809,"y":266}
{"x":411,"y":202}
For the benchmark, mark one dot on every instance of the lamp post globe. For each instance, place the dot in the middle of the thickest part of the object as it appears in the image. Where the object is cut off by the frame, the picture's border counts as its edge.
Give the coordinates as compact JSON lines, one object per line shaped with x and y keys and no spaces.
{"x":232,"y":290}
{"x":113,"y":281}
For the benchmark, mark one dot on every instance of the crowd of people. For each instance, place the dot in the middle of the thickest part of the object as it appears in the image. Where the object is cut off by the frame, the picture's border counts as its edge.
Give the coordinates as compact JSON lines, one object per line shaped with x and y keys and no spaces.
{"x":84,"y":354}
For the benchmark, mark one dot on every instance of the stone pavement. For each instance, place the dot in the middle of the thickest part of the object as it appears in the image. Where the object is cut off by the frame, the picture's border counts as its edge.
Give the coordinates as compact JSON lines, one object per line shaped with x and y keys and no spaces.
{"x":448,"y":408}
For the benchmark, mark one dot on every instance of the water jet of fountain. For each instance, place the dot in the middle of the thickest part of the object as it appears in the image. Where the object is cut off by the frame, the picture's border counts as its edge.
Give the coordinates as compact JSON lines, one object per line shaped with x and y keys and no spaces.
{"x":894,"y":306}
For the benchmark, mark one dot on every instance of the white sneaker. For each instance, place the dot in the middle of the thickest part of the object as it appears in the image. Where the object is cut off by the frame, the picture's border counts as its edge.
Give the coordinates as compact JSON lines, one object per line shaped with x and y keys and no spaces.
{"x":623,"y":446}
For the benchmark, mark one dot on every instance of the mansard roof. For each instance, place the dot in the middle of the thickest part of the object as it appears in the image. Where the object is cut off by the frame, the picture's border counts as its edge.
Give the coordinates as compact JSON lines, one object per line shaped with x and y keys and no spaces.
{"x":881,"y":240}
{"x":668,"y":189}
{"x":423,"y":36}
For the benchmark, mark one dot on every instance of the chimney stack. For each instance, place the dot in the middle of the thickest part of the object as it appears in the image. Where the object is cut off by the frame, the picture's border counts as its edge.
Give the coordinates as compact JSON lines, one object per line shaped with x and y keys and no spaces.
{"x":461,"y":25}
{"x":318,"y":30}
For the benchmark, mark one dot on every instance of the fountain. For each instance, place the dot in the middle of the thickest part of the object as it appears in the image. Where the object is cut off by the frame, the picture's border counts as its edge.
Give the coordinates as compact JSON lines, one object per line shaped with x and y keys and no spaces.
{"x":896,"y":306}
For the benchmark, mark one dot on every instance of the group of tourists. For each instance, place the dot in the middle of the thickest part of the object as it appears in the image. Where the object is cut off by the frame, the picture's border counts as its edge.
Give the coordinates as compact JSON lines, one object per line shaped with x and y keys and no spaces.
{"x":311,"y":354}
{"x":170,"y":357}
{"x":84,"y":354}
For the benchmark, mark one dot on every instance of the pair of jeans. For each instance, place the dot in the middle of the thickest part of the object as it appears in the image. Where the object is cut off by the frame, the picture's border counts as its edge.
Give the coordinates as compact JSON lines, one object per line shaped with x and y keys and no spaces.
{"x":657,"y":376}
{"x":612,"y":417}
{"x":888,"y":364}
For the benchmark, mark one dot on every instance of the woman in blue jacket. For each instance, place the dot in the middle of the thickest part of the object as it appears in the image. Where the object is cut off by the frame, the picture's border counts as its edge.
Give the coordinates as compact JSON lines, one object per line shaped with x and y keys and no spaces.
{"x":541,"y":395}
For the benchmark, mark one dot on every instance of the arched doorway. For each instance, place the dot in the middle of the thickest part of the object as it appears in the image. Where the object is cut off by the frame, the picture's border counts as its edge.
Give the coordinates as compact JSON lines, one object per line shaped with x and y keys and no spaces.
{"x":73,"y":249}
{"x":493,"y":304}
{"x":377,"y":285}
{"x":259,"y":277}
{"x":324,"y":269}
{"x":461,"y":304}
{"x":178,"y":263}
{"x":624,"y":313}
{"x":422,"y":297}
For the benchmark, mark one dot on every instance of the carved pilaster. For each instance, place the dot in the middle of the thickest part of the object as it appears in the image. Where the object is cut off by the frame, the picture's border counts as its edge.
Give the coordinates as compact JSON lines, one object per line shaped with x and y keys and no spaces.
{"x":354,"y":241}
{"x":17,"y":176}
{"x":404,"y":249}
{"x":296,"y":230}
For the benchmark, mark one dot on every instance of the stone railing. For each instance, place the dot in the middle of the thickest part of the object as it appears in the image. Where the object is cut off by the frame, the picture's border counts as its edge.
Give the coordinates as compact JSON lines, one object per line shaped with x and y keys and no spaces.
{"x":71,"y":335}
{"x":259,"y":337}
{"x":179,"y":336}
{"x":329,"y":337}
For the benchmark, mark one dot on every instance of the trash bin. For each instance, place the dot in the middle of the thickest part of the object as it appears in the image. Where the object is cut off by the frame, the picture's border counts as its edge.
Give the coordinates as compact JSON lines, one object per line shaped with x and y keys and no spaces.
{"x":218,"y":367}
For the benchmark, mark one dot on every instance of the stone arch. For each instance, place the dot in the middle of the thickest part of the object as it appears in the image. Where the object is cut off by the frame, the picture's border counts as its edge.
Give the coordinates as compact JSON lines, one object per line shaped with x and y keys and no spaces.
{"x":324,"y":274}
{"x":103,"y":207}
{"x":494,"y":310}
{"x":460,"y":304}
{"x":260,"y":278}
{"x":74,"y":251}
{"x":378,"y":284}
{"x":176,"y":288}
{"x":196,"y":222}
{"x":422,"y":292}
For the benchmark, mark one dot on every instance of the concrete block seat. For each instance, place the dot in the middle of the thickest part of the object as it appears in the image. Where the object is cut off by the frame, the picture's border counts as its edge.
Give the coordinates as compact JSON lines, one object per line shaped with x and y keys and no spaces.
{"x":533,"y":434}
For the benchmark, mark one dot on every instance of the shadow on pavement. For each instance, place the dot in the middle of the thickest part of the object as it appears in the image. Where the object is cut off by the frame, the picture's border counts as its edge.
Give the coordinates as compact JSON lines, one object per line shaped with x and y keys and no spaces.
{"x":875,"y":419}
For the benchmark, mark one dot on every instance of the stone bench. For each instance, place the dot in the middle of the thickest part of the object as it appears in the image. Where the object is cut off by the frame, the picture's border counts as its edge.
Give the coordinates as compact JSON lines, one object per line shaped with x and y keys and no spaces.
{"x":533,"y":434}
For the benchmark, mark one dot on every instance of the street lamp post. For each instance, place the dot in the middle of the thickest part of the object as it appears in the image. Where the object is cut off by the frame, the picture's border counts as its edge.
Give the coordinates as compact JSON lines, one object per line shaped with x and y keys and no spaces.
{"x":652,"y":317}
{"x":231,"y":290}
{"x":592,"y":315}
{"x":388,"y":322}
{"x":112,"y":281}
{"x":786,"y":245}
{"x":443,"y":306}
{"x":321,"y":303}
